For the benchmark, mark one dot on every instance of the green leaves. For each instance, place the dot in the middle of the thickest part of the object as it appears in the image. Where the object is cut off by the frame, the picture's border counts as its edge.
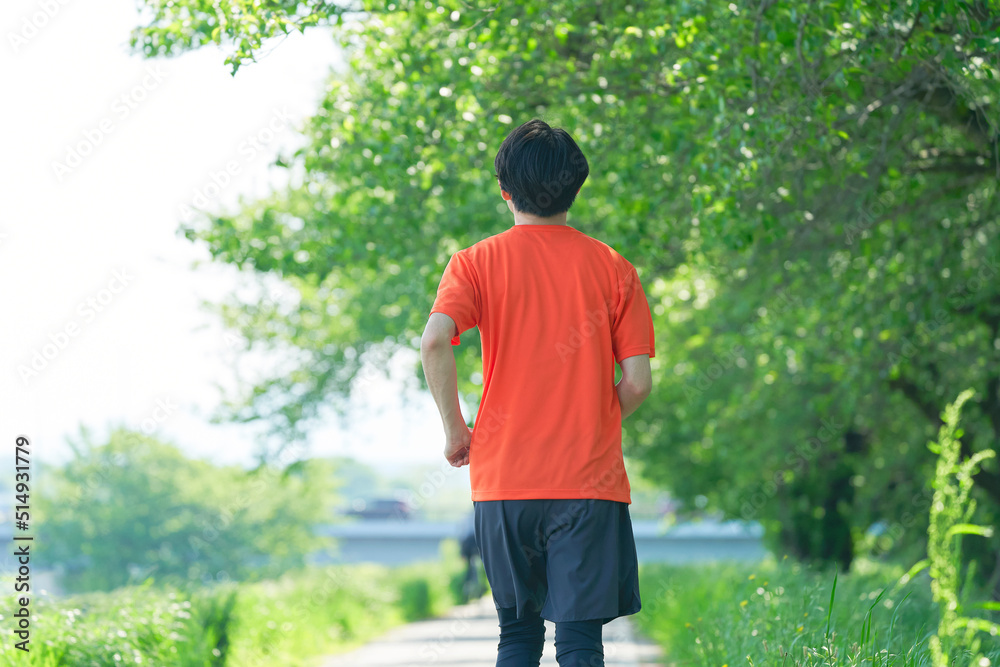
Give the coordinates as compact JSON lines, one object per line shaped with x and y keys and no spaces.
{"x":914,"y":570}
{"x":134,"y":507}
{"x":969,"y":529}
{"x":242,"y":25}
{"x":800,"y":161}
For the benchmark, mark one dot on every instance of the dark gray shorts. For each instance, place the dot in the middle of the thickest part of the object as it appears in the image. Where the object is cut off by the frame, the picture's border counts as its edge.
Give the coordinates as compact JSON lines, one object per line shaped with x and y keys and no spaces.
{"x":567,"y":559}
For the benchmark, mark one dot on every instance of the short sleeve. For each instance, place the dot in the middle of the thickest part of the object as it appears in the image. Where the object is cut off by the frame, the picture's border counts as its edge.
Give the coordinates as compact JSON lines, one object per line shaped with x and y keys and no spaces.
{"x":458,"y":294}
{"x":632,"y":327}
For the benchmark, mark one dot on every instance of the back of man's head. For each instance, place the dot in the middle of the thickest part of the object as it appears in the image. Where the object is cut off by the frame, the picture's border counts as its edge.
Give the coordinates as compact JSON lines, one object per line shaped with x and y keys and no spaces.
{"x":541,"y":167}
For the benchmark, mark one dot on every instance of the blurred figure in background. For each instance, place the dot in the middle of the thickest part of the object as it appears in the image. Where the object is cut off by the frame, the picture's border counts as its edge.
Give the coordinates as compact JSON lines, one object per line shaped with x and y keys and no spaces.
{"x":473,"y":587}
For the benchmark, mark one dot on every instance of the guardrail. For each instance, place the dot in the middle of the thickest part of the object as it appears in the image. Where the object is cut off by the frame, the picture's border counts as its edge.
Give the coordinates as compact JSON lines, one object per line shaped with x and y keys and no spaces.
{"x":401,"y":542}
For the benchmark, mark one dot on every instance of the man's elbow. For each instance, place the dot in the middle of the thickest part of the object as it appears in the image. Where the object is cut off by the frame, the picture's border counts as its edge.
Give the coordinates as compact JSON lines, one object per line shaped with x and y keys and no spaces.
{"x":438,"y":333}
{"x":432,"y":341}
{"x":642,"y":389}
{"x":637,"y":376}
{"x":639,"y":387}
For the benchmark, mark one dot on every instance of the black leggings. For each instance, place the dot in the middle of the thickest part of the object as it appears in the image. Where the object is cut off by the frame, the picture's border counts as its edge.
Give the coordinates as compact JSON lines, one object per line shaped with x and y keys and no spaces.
{"x":578,"y":643}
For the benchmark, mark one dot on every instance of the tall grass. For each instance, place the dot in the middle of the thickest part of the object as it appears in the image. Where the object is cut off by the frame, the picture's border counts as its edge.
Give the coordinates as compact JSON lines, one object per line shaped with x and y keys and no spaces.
{"x":778,"y":612}
{"x":789,"y":614}
{"x":288,"y":622}
{"x":951,"y":511}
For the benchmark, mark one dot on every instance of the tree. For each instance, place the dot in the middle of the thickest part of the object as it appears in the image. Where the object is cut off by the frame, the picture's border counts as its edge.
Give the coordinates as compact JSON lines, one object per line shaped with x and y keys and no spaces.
{"x":821,"y":172}
{"x":135,"y":507}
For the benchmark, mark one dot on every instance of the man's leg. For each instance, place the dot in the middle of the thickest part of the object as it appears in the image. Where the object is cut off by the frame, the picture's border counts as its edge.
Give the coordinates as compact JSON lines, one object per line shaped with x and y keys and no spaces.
{"x":578,"y":644}
{"x":521,"y":640}
{"x":515,"y":568}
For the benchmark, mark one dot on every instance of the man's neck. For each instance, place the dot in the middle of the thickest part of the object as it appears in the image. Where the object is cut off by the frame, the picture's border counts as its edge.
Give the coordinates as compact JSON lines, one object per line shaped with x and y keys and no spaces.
{"x":526,"y":219}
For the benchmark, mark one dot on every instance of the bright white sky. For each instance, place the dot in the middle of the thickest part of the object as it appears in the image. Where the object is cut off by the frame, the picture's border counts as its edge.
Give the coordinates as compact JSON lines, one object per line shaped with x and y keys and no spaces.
{"x":63,"y":236}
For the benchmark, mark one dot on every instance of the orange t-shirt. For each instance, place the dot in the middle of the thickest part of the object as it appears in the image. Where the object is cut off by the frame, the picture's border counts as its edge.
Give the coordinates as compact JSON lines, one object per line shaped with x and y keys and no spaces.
{"x":555,"y":310}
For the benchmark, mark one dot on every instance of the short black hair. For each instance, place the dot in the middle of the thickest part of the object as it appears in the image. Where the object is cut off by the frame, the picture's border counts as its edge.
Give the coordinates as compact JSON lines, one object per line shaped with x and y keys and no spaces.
{"x":541,"y":167}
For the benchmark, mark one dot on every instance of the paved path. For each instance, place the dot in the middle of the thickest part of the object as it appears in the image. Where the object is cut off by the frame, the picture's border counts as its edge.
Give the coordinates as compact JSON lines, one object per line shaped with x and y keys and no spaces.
{"x":467,"y":637}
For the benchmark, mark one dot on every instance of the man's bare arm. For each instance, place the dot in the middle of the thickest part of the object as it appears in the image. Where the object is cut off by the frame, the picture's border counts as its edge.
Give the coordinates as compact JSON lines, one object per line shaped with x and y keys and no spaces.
{"x":636,"y":383}
{"x":439,"y":369}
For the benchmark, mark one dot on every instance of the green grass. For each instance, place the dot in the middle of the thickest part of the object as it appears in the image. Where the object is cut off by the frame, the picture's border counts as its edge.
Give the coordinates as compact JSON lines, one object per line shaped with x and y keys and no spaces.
{"x":779,"y":614}
{"x":785,"y":613}
{"x":289,"y":622}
